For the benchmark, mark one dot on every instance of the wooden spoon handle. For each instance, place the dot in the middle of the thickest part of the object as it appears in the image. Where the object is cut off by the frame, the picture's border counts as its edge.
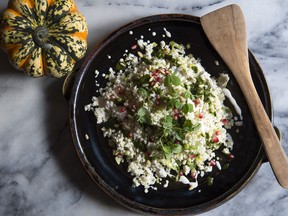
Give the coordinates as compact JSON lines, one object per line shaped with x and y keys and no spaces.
{"x":274,"y":150}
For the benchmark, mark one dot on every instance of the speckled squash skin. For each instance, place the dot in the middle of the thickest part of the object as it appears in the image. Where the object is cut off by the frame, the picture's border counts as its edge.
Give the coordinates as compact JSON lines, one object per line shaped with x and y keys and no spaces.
{"x":43,"y":37}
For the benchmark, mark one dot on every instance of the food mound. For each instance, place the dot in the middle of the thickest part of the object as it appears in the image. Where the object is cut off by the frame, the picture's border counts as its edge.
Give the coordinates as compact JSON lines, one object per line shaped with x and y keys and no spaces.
{"x":164,"y":115}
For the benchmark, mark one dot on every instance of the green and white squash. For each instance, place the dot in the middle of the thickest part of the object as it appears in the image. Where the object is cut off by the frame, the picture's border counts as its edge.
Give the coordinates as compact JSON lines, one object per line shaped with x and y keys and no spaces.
{"x":43,"y":37}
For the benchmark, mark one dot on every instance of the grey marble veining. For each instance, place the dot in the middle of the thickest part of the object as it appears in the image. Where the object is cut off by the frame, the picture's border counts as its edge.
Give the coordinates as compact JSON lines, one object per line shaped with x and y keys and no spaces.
{"x":40,"y":173}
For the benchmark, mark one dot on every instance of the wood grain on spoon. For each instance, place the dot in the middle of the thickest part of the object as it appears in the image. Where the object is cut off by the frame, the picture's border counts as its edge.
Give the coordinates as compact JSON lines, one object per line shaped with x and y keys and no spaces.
{"x":225,"y":29}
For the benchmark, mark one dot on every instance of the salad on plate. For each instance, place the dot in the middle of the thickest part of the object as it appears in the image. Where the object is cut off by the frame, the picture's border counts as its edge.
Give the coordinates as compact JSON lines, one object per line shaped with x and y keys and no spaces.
{"x":164,"y":115}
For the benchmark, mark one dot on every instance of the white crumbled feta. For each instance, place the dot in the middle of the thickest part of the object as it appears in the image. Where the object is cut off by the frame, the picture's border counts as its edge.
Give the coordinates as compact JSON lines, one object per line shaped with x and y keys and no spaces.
{"x":166,"y":184}
{"x":101,"y":115}
{"x":218,"y":165}
{"x":86,"y":137}
{"x":168,"y":34}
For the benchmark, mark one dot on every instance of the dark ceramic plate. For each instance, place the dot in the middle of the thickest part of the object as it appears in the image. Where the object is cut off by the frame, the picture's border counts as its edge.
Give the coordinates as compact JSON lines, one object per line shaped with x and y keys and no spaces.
{"x":97,"y":157}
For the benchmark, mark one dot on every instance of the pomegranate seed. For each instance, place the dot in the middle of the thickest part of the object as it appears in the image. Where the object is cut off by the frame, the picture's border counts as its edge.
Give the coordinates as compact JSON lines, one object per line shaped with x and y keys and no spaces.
{"x":158,"y":79}
{"x":122,"y":109}
{"x":231,"y":156}
{"x":196,"y":101}
{"x":193,"y":175}
{"x":212,"y":163}
{"x":201,"y":115}
{"x":181,"y":173}
{"x":157,"y":102}
{"x":134,"y":46}
{"x":192,"y":156}
{"x":148,"y":153}
{"x":112,"y":97}
{"x":158,"y":97}
{"x":130,"y":135}
{"x":224,"y":121}
{"x":133,"y":107}
{"x":177,"y":141}
{"x":215,"y":139}
{"x":175,"y":117}
{"x":156,"y":73}
{"x":153,"y":83}
{"x":118,"y":88}
{"x":166,"y":72}
{"x":217,"y":133}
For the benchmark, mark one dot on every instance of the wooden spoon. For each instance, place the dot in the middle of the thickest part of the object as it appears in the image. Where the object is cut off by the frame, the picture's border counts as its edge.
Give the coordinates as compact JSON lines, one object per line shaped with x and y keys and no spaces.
{"x":225,"y":29}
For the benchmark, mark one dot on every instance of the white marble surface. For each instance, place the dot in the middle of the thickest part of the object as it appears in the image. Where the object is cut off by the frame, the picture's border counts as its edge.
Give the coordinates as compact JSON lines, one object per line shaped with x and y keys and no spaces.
{"x":40,"y":173}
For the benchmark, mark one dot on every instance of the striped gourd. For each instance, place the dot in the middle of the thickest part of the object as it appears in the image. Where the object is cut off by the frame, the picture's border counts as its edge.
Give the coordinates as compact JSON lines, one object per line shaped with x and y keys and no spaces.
{"x":43,"y":37}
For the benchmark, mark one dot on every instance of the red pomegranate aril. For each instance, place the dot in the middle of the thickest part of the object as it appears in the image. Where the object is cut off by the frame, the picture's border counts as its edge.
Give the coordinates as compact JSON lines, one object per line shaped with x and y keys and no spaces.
{"x":130,"y":135}
{"x":215,"y":139}
{"x":148,"y":153}
{"x":231,"y":156}
{"x":217,"y":133}
{"x":175,"y":117}
{"x":166,"y":72}
{"x":175,"y":111}
{"x":156,"y":73}
{"x":134,"y":46}
{"x":112,"y":97}
{"x":158,"y":79}
{"x":201,"y":115}
{"x":158,"y":97}
{"x":133,"y":107}
{"x":118,"y":88}
{"x":191,"y":156}
{"x":224,"y":121}
{"x":212,"y":163}
{"x":122,"y":109}
{"x":181,"y":173}
{"x":196,"y":101}
{"x":193,"y":175}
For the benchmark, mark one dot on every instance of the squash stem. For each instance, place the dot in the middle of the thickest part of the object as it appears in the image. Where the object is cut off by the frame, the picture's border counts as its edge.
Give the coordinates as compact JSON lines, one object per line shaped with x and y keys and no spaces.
{"x":40,"y":37}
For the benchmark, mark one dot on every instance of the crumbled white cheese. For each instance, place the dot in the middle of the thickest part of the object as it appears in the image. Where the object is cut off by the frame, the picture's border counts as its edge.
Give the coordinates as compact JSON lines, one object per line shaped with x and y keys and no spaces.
{"x":168,"y":34}
{"x":86,"y":137}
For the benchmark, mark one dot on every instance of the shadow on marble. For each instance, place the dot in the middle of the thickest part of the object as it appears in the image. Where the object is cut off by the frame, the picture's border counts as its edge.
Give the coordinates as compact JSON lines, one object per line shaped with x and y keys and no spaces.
{"x":63,"y":151}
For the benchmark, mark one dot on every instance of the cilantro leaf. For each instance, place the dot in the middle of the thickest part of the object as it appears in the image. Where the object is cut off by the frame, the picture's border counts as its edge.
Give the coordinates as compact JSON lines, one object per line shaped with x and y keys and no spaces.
{"x":175,"y":80}
{"x":143,"y":92}
{"x":174,"y":102}
{"x":188,"y":126}
{"x":167,"y":149}
{"x":176,"y":148}
{"x":143,"y":116}
{"x":172,"y":80}
{"x":167,"y":122}
{"x":172,"y":149}
{"x":145,"y":78}
{"x":187,"y":108}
